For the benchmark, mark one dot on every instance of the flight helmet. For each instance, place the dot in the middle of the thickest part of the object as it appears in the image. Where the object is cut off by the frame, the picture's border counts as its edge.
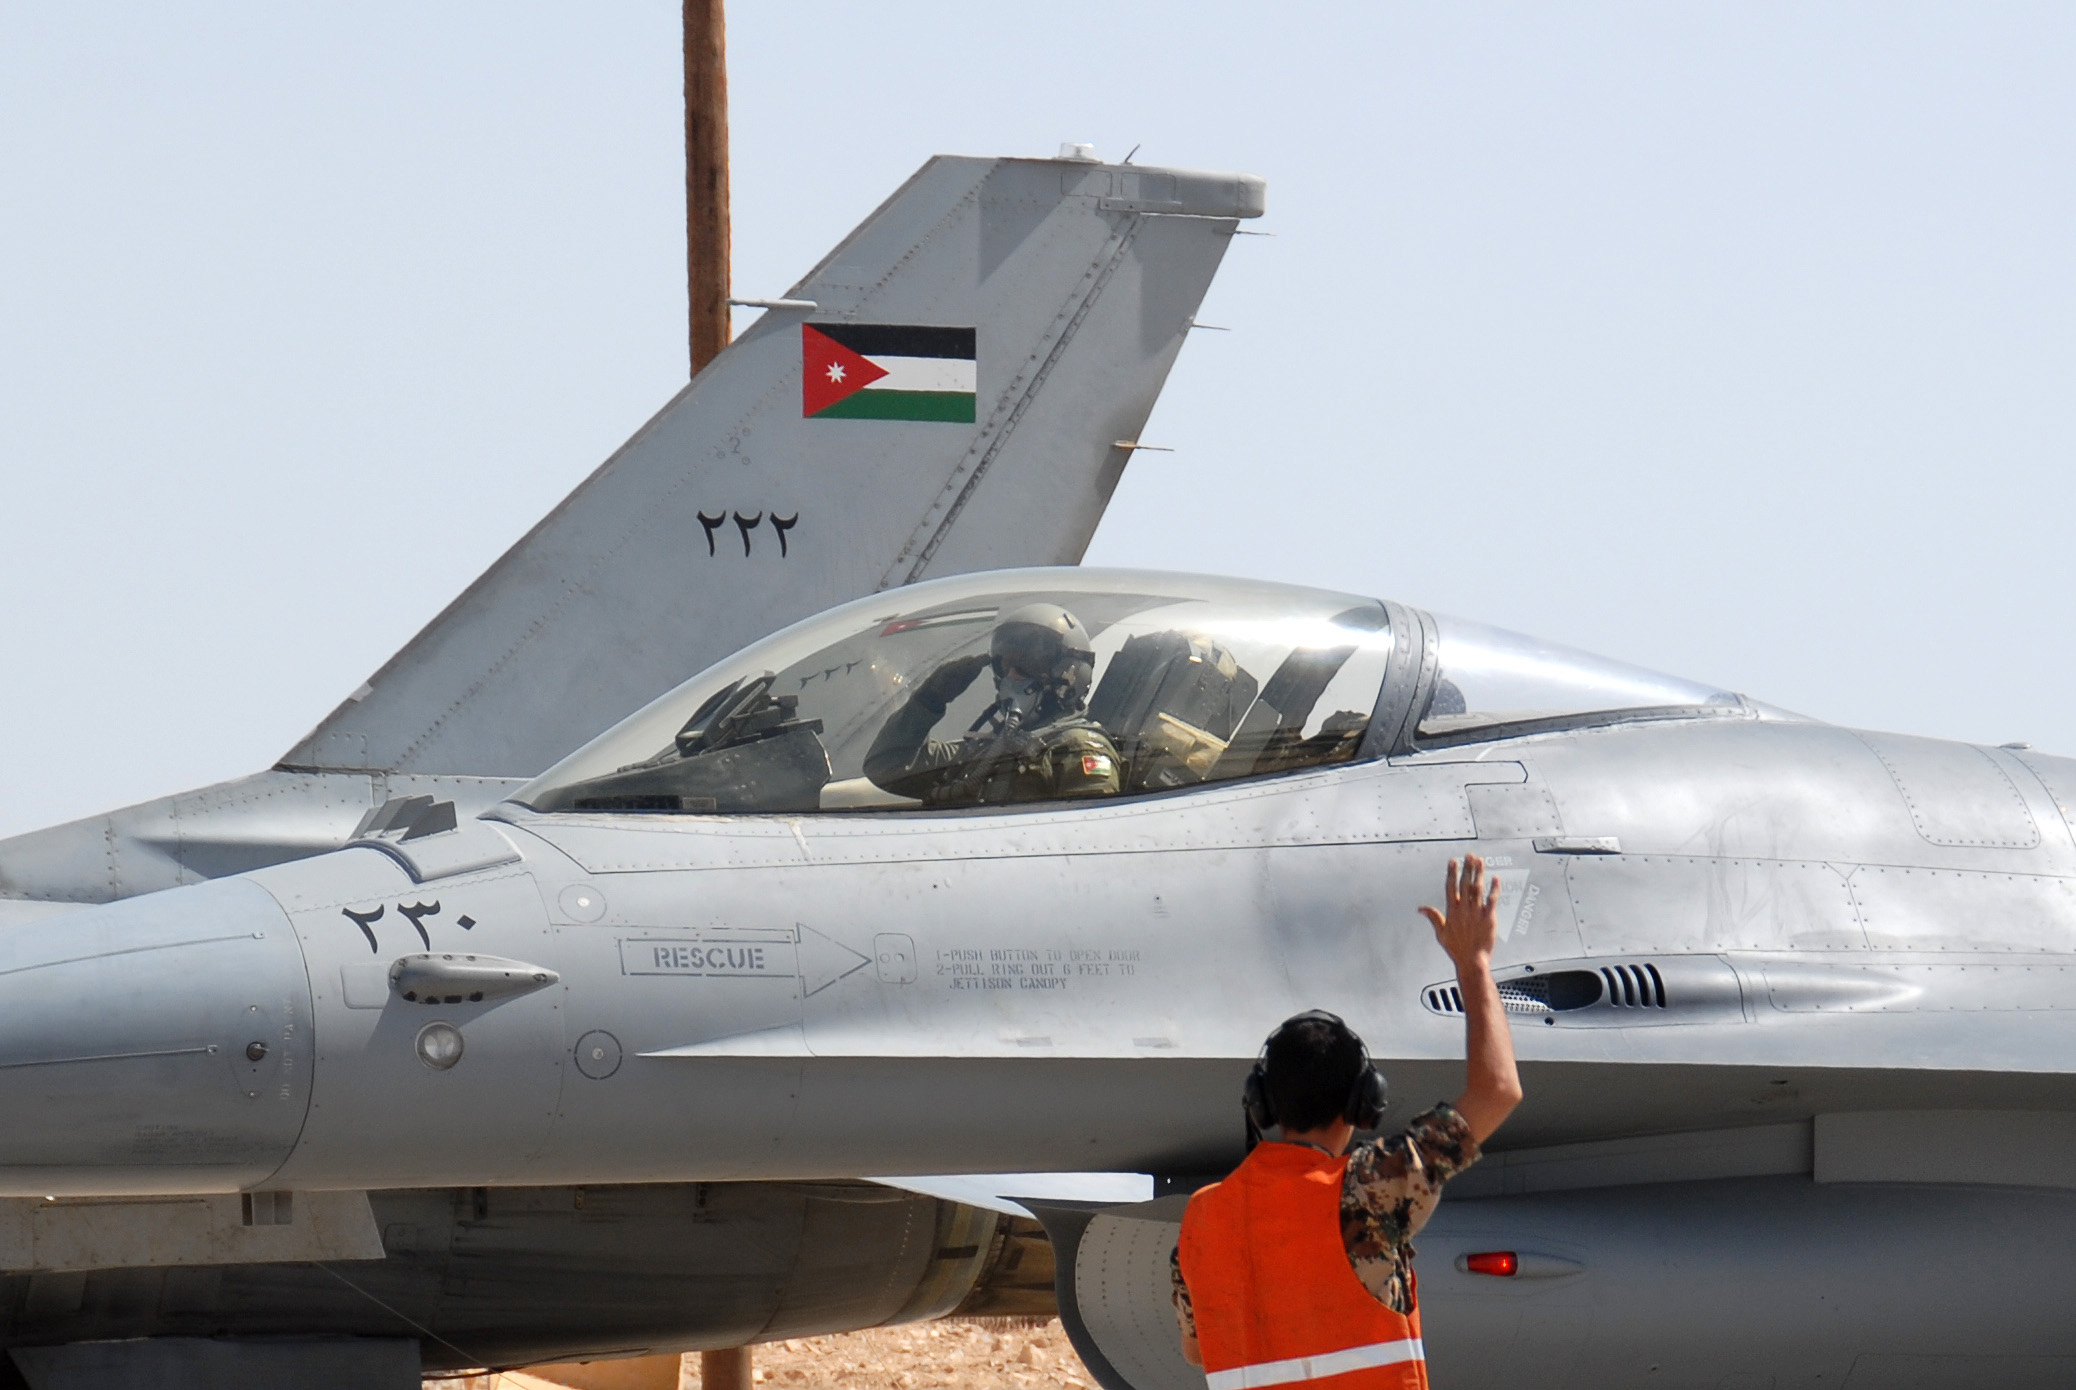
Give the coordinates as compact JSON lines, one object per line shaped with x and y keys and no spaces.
{"x":1049,"y":645}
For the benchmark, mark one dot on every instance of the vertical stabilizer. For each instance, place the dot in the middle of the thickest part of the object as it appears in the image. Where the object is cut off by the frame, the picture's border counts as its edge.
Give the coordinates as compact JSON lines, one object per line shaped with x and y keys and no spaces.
{"x":955,"y":399}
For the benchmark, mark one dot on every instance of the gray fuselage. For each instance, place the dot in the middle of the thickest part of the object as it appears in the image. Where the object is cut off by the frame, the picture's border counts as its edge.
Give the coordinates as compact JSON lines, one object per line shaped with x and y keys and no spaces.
{"x":1843,"y":922}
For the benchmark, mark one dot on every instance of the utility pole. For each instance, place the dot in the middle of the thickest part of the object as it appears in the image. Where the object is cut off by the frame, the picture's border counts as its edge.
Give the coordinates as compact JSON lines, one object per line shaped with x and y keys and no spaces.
{"x":706,"y":267}
{"x":706,"y":177}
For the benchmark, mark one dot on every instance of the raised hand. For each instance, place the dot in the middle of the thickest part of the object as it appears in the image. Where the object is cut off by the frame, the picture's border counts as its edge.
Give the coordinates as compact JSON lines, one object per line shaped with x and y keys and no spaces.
{"x":1469,"y":928}
{"x":949,"y":681}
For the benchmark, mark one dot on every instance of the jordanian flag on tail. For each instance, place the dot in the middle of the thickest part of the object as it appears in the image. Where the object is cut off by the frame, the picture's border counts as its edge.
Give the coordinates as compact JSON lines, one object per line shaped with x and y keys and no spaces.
{"x":885,"y":371}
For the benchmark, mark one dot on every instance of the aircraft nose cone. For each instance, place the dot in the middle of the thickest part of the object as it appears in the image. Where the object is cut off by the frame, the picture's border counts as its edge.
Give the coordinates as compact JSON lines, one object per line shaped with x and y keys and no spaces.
{"x":155,"y":1045}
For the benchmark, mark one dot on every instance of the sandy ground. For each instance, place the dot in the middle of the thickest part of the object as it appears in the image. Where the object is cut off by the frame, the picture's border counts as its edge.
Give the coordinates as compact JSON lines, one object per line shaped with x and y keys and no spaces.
{"x":919,"y":1356}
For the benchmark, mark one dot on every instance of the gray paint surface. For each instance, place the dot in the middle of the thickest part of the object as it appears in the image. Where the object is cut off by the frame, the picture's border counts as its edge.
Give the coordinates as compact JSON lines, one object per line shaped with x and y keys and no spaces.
{"x":1757,"y":1281}
{"x":153,"y":1029}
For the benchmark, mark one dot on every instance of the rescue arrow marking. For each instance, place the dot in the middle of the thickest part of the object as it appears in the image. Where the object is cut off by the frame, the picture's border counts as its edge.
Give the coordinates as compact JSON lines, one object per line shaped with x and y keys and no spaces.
{"x":824,"y":961}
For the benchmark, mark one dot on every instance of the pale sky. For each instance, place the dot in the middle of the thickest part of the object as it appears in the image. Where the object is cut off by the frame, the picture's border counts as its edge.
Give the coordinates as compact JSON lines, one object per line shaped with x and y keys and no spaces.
{"x":1731,"y":340}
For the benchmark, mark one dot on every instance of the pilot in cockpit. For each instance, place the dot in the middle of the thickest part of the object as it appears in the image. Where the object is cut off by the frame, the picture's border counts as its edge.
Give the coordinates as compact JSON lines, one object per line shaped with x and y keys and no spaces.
{"x":1033,"y":743}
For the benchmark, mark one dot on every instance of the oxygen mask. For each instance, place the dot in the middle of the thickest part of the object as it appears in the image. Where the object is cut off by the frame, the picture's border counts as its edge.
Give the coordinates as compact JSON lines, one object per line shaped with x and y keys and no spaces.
{"x":1018,"y":698}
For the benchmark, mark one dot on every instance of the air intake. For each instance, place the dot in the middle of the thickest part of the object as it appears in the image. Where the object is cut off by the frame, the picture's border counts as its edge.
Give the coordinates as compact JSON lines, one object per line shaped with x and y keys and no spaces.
{"x":1610,"y":993}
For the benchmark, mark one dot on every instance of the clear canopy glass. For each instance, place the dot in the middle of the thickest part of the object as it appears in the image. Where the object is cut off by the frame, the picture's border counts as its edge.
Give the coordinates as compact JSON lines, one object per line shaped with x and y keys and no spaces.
{"x":1492,"y":681}
{"x":907,"y":699}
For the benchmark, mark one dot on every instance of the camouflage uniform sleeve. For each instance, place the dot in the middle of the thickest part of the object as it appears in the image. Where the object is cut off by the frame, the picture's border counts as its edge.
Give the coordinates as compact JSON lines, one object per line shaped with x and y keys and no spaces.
{"x":1084,"y":763}
{"x":1390,"y":1190}
{"x":904,"y":759}
{"x":1185,"y":1312}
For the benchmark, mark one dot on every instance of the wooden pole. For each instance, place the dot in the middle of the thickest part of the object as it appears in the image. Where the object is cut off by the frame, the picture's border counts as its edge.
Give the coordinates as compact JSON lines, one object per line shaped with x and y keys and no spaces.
{"x":706,"y":177}
{"x":725,"y":1370}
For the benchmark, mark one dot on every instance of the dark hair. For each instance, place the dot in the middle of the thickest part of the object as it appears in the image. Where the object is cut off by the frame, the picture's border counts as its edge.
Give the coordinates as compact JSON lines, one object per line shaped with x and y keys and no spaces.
{"x":1310,"y":1067}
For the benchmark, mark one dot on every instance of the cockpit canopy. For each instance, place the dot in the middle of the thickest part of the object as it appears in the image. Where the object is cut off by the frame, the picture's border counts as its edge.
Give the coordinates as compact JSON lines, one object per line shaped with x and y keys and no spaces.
{"x":1194,"y":680}
{"x":896,"y":701}
{"x":1491,"y":682}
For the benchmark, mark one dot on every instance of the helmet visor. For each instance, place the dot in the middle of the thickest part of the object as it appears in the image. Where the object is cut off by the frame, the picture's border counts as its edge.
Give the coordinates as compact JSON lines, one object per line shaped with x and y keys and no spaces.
{"x":1025,"y":647}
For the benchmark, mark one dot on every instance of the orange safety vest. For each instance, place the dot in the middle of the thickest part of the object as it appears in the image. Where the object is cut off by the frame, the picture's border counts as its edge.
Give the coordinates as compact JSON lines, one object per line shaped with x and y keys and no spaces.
{"x":1275,"y":1298}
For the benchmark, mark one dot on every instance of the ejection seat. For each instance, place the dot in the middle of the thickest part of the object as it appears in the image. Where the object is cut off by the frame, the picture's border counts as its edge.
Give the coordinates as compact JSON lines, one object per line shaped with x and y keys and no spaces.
{"x":1181,"y":711}
{"x":1170,"y":701}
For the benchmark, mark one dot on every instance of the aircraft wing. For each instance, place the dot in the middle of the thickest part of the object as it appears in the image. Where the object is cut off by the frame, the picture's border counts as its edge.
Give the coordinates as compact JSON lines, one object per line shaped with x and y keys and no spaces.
{"x":960,"y":388}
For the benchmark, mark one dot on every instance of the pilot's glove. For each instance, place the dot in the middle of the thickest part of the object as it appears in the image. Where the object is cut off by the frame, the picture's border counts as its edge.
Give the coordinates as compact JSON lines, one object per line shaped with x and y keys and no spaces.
{"x":948,"y":682}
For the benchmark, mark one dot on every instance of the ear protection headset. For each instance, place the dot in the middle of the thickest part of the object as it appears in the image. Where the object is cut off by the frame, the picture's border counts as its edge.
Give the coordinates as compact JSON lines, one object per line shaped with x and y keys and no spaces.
{"x":1367,"y":1097}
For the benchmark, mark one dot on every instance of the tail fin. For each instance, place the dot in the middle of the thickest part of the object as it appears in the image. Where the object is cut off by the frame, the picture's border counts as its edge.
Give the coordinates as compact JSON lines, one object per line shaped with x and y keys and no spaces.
{"x":962,"y":393}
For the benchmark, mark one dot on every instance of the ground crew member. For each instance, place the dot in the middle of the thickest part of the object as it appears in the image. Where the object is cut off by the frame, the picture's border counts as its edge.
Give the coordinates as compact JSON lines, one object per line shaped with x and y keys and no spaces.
{"x":1299,"y":1267}
{"x":1032,"y":744}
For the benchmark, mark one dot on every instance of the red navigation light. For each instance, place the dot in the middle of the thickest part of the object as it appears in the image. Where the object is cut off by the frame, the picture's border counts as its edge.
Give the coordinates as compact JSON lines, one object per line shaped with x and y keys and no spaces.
{"x":1502,"y":1263}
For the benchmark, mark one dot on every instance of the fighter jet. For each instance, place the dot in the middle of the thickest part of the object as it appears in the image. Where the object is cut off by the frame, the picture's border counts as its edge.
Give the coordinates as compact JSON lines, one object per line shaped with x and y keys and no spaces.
{"x":1009,"y":871}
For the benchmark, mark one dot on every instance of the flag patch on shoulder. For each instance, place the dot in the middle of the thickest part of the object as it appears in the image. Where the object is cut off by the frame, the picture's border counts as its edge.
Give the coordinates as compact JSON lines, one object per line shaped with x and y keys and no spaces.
{"x":886,"y":371}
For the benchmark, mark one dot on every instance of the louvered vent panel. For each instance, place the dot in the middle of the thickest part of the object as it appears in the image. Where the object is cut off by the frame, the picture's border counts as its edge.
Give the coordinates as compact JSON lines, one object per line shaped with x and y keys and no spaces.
{"x":1444,"y":999}
{"x":1634,"y":986}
